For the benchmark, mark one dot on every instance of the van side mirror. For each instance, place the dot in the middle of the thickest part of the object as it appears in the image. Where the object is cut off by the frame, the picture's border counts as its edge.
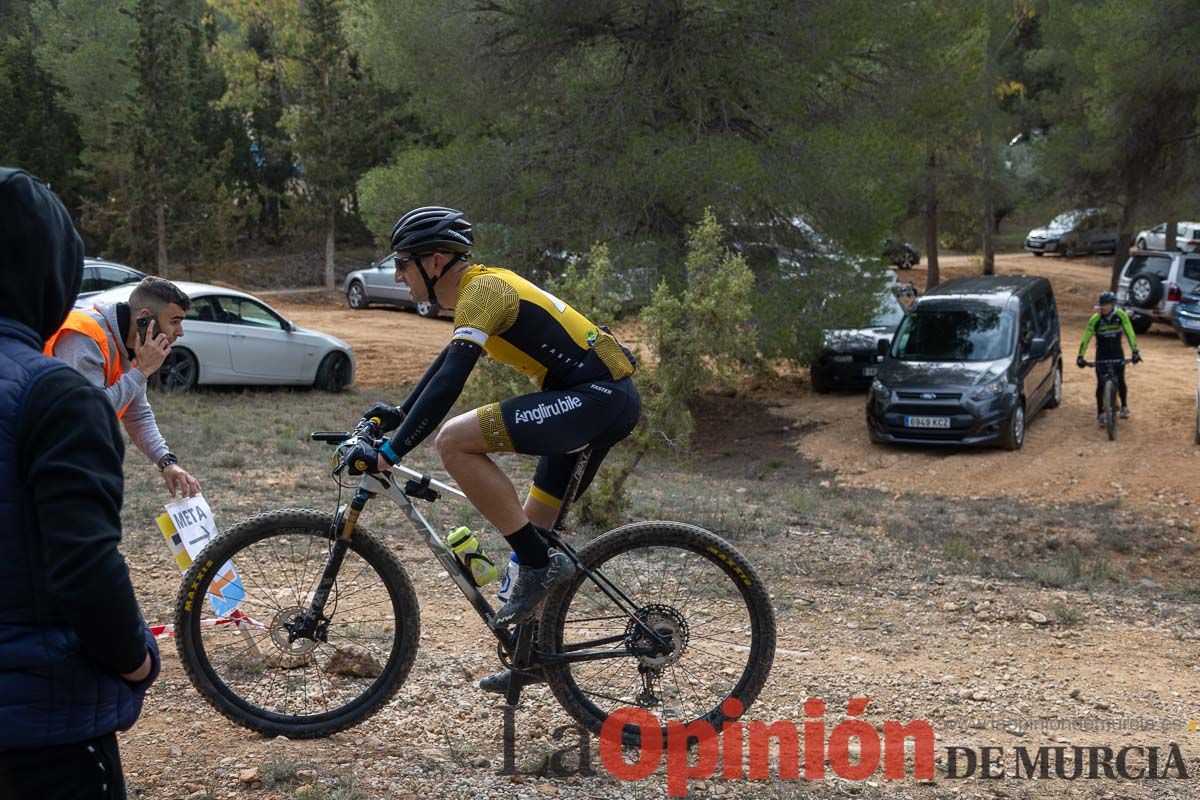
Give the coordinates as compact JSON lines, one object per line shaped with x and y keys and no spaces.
{"x":288,"y":326}
{"x":1038,"y":348}
{"x":881,"y":348}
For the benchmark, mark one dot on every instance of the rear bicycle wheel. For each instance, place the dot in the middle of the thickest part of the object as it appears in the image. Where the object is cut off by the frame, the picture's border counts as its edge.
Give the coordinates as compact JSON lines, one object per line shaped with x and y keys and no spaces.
{"x":692,"y":588}
{"x":249,"y":667}
{"x":1110,"y":408}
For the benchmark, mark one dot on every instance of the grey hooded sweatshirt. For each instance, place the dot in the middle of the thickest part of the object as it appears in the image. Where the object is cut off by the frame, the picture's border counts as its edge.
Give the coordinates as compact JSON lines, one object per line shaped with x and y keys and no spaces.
{"x":84,"y":355}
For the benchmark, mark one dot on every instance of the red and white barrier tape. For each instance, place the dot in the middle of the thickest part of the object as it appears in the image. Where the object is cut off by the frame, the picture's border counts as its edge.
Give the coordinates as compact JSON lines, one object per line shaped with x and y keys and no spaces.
{"x":236,"y":617}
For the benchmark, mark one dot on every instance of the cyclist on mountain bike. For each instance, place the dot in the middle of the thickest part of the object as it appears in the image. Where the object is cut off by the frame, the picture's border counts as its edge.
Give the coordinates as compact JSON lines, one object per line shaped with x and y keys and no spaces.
{"x":586,"y":397}
{"x":1108,"y":325}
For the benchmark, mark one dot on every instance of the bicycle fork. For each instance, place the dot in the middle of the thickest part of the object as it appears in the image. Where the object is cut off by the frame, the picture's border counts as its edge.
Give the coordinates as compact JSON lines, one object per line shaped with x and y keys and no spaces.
{"x":313,"y":623}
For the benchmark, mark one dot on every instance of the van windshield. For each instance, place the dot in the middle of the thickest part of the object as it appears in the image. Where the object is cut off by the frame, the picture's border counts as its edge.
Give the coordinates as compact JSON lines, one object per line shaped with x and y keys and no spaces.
{"x":1066,"y":221}
{"x":970,"y":332}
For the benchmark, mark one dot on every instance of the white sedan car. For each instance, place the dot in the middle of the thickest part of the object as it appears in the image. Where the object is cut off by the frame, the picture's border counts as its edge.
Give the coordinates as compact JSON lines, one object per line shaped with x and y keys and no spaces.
{"x":234,"y":338}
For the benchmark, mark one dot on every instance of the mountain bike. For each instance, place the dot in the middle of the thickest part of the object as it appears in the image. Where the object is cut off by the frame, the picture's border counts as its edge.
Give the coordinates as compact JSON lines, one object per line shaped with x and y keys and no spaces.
{"x":662,"y":616}
{"x":1107,"y":368}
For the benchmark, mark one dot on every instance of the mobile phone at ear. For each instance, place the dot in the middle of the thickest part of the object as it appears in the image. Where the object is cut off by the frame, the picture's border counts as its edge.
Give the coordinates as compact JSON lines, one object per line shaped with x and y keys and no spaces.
{"x":143,"y":324}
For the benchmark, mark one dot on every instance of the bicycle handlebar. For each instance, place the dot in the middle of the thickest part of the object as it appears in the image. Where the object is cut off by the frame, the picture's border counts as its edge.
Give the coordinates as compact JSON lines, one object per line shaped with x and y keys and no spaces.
{"x":366,"y":426}
{"x":367,"y":431}
{"x":1101,"y":361}
{"x":330,"y":437}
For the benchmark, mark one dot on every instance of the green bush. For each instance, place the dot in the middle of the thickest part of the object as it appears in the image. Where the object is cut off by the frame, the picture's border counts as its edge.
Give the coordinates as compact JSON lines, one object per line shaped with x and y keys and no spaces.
{"x":588,"y":286}
{"x":699,"y":333}
{"x":606,"y":502}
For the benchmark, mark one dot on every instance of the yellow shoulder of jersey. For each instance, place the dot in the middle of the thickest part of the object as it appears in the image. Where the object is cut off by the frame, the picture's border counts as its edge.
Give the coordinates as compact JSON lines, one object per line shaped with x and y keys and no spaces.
{"x":487,"y":303}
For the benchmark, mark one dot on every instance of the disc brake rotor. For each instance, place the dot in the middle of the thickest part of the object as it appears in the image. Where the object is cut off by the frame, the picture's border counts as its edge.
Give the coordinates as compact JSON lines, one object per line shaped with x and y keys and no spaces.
{"x":280,"y":632}
{"x":668,"y":624}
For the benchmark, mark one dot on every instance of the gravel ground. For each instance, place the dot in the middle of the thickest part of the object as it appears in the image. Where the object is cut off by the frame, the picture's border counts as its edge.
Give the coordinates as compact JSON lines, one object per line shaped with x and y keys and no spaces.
{"x":1022,"y":615}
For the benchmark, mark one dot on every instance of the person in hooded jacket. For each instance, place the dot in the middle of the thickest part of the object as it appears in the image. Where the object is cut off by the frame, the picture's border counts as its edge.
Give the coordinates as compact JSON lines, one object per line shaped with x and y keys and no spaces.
{"x":76,"y":657}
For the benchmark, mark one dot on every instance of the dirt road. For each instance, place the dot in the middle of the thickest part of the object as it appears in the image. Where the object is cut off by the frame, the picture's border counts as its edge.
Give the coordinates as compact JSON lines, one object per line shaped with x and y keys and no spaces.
{"x":917,"y":604}
{"x":390,"y":346}
{"x":1065,"y":457}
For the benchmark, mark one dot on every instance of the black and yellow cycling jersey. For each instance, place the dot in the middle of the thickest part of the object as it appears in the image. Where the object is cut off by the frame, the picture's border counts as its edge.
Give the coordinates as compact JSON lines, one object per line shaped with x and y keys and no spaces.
{"x":531,"y":330}
{"x":586,"y":400}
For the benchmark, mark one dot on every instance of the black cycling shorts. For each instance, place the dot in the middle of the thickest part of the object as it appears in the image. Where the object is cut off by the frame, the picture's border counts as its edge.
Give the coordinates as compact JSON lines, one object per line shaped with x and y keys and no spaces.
{"x":557,"y":424}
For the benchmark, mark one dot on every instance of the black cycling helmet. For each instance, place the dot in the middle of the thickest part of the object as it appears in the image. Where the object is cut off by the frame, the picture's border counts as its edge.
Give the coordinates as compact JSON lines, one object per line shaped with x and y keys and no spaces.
{"x":1107,"y":297}
{"x":430,"y":229}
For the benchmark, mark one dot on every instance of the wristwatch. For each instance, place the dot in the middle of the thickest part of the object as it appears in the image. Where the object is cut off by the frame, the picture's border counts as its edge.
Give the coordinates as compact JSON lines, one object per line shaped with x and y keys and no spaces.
{"x":167,"y":461}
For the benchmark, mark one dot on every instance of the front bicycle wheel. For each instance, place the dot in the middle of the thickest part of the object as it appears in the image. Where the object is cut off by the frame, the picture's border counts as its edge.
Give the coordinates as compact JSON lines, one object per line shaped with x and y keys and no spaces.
{"x":249,"y":664}
{"x":697,"y":592}
{"x":1110,"y":409}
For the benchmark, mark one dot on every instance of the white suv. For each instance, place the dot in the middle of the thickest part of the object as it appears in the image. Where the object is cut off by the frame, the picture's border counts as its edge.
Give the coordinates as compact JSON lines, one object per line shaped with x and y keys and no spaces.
{"x":1153,"y":282}
{"x":1187,"y":237}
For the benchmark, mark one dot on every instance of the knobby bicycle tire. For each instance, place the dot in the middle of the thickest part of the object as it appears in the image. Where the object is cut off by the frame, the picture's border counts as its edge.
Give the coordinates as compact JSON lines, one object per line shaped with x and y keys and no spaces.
{"x":1110,"y":408}
{"x":190,"y":607}
{"x":705,"y":544}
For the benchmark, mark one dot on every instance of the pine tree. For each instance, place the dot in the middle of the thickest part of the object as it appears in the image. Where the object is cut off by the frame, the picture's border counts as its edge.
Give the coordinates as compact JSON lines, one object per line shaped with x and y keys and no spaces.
{"x":324,"y":121}
{"x":164,"y":149}
{"x":37,"y":133}
{"x":1126,"y":124}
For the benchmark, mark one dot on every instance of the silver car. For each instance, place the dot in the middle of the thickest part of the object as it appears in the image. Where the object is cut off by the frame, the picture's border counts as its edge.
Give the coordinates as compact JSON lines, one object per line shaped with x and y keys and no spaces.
{"x":232,"y":337}
{"x":377,"y":284}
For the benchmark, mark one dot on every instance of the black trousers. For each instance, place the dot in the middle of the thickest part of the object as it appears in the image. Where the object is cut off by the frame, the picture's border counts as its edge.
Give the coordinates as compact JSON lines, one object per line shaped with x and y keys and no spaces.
{"x":557,"y":423}
{"x":1118,"y":372}
{"x":89,"y":770}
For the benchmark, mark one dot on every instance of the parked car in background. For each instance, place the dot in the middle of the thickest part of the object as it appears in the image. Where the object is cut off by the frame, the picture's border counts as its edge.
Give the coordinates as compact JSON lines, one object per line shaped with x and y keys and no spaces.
{"x":100,"y":275}
{"x":232,"y":337}
{"x":971,"y":363}
{"x":901,"y":254}
{"x":1075,"y":233}
{"x":1187,"y":237}
{"x":1186,"y":319}
{"x":850,"y":357}
{"x":1152,"y":283}
{"x":377,"y":284}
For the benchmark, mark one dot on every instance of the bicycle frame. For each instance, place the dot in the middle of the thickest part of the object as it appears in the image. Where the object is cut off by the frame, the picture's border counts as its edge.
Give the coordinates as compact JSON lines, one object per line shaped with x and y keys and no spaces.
{"x":516,"y":644}
{"x":1107,"y":366}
